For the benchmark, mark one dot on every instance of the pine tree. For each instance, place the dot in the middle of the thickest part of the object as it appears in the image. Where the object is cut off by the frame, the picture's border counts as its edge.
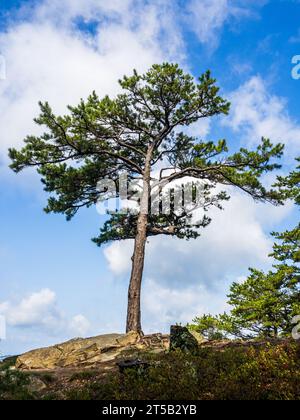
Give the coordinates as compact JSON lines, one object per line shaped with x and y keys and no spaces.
{"x":266,"y":303}
{"x":141,"y":129}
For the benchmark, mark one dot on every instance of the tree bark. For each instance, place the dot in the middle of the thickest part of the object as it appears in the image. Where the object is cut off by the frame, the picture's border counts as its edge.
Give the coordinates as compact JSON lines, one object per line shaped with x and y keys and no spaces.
{"x":138,"y":258}
{"x":134,"y":292}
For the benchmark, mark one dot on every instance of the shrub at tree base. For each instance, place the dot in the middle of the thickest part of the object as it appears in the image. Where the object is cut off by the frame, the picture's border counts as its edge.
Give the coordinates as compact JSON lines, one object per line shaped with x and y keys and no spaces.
{"x":182,"y":339}
{"x":271,"y":373}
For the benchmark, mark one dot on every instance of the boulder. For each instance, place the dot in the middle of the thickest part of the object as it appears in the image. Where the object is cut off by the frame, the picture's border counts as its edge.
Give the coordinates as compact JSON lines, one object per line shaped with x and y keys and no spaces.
{"x":90,"y":352}
{"x":200,"y":339}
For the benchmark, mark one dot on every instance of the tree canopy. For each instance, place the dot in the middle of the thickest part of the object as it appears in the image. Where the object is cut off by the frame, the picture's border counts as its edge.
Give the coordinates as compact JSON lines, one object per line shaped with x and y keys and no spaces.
{"x":102,"y":137}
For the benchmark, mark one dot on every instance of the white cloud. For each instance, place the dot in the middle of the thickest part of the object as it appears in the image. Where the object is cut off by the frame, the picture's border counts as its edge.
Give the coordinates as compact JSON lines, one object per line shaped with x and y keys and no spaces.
{"x":49,"y":56}
{"x":118,"y":256}
{"x":256,"y":113}
{"x":59,"y":10}
{"x":234,"y":240}
{"x":80,"y":325}
{"x":51,"y":60}
{"x":164,"y":306}
{"x":199,"y":129}
{"x":36,"y":309}
{"x":40,"y":311}
{"x":208,"y":17}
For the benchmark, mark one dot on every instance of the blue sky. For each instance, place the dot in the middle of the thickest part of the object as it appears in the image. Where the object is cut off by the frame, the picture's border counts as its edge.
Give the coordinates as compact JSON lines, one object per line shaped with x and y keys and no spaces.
{"x":54,"y":282}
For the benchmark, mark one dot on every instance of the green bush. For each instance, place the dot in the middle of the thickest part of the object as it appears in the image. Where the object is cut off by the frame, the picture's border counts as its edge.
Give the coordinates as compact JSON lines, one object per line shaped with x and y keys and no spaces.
{"x":14,"y":385}
{"x":238,"y":373}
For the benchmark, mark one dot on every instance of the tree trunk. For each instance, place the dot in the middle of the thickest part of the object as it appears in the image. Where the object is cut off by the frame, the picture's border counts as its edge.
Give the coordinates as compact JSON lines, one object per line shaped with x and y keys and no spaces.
{"x":138,"y":258}
{"x":134,"y":292}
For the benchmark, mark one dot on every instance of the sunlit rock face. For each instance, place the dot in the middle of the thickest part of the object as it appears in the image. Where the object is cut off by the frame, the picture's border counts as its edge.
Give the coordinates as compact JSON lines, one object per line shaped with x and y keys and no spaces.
{"x":91,"y":351}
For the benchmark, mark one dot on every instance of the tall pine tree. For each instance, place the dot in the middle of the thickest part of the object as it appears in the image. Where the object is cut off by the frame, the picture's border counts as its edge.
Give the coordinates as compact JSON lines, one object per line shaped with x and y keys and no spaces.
{"x":141,"y":128}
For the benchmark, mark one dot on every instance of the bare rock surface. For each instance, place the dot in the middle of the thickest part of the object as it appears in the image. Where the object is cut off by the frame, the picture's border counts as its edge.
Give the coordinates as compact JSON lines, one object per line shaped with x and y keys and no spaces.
{"x":90,"y":352}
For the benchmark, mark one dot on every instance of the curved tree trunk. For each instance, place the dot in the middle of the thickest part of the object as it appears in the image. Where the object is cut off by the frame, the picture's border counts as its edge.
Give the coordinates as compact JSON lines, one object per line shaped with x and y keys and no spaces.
{"x":138,"y":258}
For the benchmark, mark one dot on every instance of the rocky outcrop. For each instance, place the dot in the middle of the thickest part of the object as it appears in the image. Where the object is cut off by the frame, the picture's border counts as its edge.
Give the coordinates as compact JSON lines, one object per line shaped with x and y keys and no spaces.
{"x":91,"y":351}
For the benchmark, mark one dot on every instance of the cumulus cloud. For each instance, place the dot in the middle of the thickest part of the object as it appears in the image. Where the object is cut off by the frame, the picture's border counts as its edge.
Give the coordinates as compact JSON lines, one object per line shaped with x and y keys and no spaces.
{"x":56,"y":61}
{"x":256,"y":113}
{"x":52,"y":54}
{"x":118,"y":256}
{"x":35,"y":310}
{"x":40,"y":311}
